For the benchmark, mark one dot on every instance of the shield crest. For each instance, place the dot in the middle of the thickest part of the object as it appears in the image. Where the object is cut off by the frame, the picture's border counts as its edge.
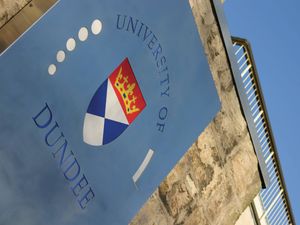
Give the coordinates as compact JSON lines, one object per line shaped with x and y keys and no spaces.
{"x":115,"y":105}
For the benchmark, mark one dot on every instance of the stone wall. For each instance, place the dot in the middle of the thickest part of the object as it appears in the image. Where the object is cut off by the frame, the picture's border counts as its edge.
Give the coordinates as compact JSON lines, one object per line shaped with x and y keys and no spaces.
{"x":8,"y":8}
{"x":218,"y":177}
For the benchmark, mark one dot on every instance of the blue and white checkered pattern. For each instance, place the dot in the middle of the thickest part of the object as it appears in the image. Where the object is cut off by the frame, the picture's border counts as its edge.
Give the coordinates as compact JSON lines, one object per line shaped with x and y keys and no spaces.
{"x":105,"y":119}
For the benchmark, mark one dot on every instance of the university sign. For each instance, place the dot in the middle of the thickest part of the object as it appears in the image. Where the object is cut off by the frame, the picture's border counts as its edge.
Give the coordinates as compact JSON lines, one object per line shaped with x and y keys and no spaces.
{"x":98,"y":102}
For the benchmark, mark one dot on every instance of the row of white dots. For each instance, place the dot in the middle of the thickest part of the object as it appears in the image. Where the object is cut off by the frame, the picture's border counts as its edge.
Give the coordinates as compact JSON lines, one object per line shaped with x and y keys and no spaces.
{"x":83,"y":35}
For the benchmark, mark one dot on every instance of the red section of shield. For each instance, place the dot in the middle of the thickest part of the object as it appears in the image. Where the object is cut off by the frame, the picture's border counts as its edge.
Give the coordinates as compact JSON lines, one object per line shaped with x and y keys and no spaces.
{"x":135,"y":101}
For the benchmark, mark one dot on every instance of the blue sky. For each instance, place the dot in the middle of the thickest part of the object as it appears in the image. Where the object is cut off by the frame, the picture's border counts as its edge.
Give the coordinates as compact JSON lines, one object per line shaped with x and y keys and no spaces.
{"x":273,"y":29}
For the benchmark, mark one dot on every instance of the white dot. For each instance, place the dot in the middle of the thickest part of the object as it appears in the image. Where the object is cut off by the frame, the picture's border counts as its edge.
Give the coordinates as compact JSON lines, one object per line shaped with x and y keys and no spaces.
{"x":71,"y":44}
{"x":96,"y":27}
{"x":60,"y":56}
{"x":52,"y":69}
{"x":83,"y":34}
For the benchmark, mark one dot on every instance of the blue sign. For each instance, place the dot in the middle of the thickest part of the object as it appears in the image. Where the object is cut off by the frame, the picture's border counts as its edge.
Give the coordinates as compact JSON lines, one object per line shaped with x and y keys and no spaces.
{"x":98,"y":102}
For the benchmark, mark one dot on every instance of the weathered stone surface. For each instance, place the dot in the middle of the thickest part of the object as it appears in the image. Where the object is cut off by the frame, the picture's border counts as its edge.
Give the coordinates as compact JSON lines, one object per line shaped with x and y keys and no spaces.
{"x":218,"y":176}
{"x":9,"y":8}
